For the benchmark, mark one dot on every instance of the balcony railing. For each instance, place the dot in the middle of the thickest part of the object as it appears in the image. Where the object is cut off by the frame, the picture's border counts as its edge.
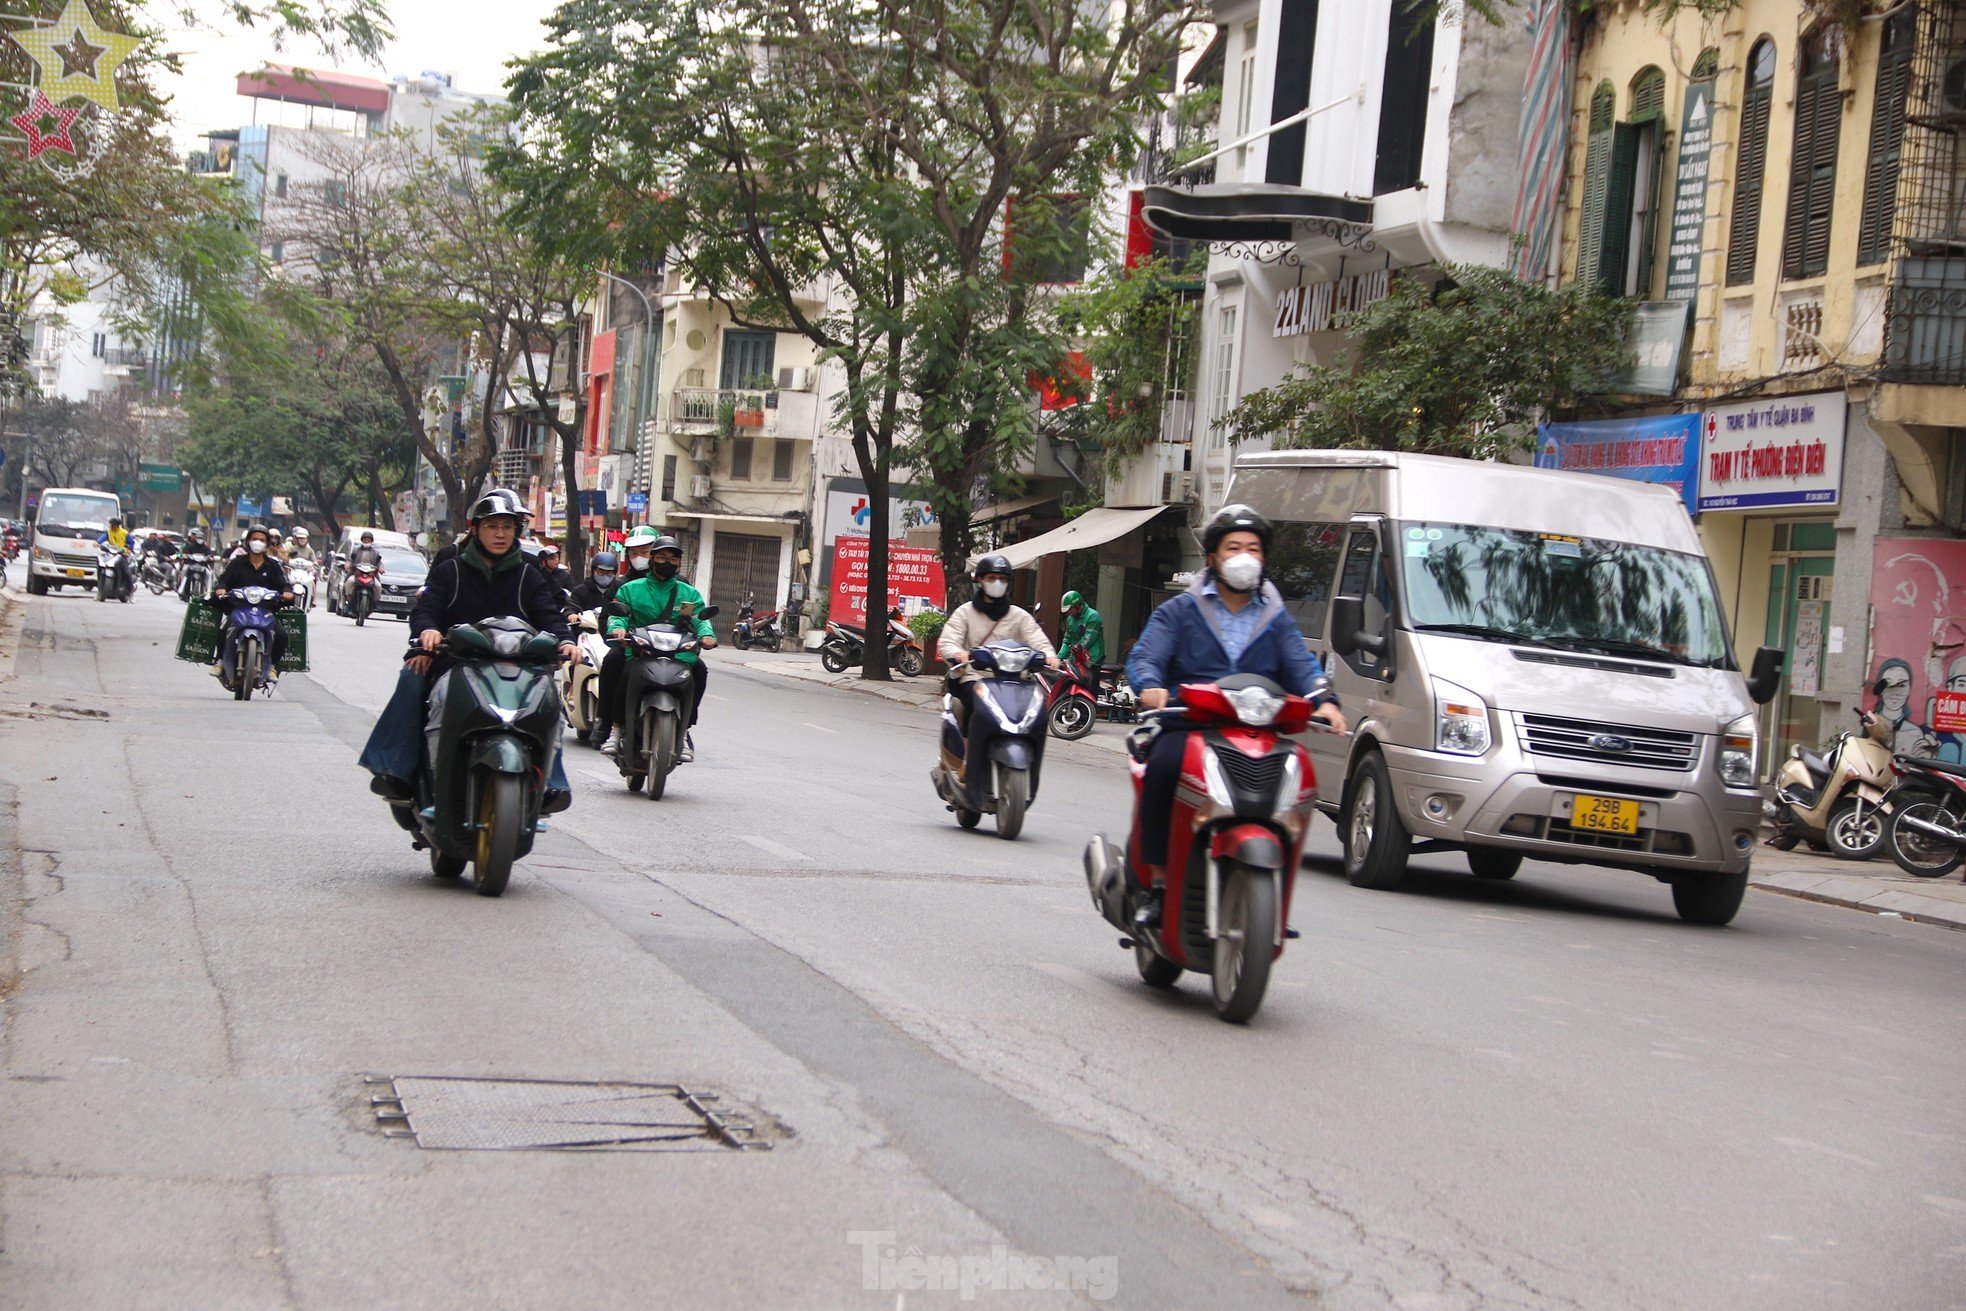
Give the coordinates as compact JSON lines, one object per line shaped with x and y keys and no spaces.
{"x":1925,"y":324}
{"x":739,"y":409}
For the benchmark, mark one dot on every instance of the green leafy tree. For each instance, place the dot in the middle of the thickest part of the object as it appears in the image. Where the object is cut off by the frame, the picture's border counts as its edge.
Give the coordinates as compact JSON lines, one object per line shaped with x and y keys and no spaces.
{"x":1136,"y":326}
{"x":1459,"y":368}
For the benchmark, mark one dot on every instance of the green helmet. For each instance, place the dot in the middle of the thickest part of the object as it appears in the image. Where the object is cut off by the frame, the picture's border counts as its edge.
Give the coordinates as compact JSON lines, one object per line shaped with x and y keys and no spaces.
{"x":645,"y":535}
{"x":1071,"y":599}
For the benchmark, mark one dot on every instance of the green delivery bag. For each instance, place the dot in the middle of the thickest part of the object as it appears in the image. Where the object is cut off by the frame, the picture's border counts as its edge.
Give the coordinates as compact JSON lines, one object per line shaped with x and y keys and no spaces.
{"x":198,"y":640}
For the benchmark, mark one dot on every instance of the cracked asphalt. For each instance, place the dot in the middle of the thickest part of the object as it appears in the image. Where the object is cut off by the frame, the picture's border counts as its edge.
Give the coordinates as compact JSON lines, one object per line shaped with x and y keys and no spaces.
{"x":1543,"y":1093}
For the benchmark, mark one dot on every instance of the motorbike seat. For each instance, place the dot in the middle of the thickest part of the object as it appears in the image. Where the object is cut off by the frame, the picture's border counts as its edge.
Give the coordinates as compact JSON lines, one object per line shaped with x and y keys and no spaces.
{"x":1818,"y":766}
{"x":1952,"y":768}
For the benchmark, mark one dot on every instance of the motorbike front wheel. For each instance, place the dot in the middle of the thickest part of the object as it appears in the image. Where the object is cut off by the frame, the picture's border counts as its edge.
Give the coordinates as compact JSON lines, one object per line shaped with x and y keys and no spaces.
{"x":910,"y":661}
{"x":1926,"y":855}
{"x":1156,"y":970}
{"x":245,"y":664}
{"x":1013,"y":795}
{"x":659,"y":732}
{"x":1072,"y":718}
{"x":833,"y":657}
{"x":446,"y":866}
{"x":1247,"y":916}
{"x":501,"y":809}
{"x":1856,"y":829}
{"x":361,"y":608}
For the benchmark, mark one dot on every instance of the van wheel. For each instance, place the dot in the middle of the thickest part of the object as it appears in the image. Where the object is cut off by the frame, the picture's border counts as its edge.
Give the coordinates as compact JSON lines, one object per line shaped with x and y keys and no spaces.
{"x":1489,"y":863}
{"x":36,"y":586}
{"x":1709,"y":898}
{"x":1376,"y":841}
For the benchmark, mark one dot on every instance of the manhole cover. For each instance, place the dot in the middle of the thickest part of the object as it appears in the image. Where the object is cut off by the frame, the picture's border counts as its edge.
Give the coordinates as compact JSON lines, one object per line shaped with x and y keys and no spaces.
{"x":556,"y":1115}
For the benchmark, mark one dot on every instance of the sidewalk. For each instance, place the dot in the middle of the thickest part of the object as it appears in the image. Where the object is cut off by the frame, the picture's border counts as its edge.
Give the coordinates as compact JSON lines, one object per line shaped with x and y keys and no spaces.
{"x":1878,"y":886}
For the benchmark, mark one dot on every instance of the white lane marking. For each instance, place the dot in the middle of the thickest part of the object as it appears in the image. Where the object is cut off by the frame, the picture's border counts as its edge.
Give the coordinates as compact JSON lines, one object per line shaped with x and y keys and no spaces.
{"x":771,"y":848}
{"x":1831,"y":1152}
{"x":821,"y":727}
{"x":712,"y":696}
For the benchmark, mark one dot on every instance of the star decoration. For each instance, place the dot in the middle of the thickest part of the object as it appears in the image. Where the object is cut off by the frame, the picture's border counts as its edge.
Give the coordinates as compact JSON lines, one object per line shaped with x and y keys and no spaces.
{"x":78,"y":30}
{"x":37,"y":113}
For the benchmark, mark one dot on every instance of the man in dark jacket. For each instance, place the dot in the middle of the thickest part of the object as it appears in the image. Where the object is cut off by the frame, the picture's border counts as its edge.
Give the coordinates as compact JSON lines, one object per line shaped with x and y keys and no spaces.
{"x":1231,"y":621}
{"x":489,"y":577}
{"x":256,"y":568}
{"x":556,"y":573}
{"x":597,"y":589}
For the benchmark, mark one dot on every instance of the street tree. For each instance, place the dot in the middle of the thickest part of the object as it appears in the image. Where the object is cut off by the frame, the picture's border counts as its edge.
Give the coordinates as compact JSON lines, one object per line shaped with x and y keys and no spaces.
{"x":69,"y":443}
{"x":1462,"y":367}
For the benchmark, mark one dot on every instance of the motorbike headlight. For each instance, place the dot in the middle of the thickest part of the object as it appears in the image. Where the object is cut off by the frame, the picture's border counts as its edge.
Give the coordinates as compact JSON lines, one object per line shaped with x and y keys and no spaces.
{"x":1217,"y":779}
{"x":665,"y":641}
{"x":505,"y":642}
{"x":1460,"y":720}
{"x":1737,"y":752}
{"x":1015,"y":662}
{"x":1254,"y":706}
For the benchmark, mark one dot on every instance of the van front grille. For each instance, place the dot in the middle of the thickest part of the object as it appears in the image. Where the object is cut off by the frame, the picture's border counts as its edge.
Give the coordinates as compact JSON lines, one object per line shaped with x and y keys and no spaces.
{"x":1607,"y":744}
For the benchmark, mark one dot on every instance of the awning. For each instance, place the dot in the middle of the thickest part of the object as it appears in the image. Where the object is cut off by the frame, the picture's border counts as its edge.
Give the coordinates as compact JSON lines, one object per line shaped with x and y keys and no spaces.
{"x":1090,"y":529}
{"x":1005,"y":509}
{"x":778,"y":519}
{"x":1249,"y":211}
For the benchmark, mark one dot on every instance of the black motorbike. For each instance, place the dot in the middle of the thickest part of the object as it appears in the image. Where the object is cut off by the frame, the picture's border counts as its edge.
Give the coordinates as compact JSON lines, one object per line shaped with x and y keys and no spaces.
{"x":657,"y":697}
{"x":497,"y":727}
{"x":764,"y":631}
{"x":846,"y":646}
{"x":194,"y":577}
{"x":113,"y":580}
{"x":991,"y":767}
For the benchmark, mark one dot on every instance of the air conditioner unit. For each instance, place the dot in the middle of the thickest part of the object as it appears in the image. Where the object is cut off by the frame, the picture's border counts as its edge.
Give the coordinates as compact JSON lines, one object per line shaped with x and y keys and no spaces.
{"x":699,"y":450}
{"x":1177,"y":487}
{"x":699,"y":486}
{"x":795,"y":378}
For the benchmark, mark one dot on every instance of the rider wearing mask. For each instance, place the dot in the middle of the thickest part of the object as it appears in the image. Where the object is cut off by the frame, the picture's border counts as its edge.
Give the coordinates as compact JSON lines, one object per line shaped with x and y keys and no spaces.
{"x":653,"y":593}
{"x":300,"y":550}
{"x":987,"y":617}
{"x":489,"y":578}
{"x":118,"y":536}
{"x":1229,"y":621}
{"x":365,"y":552}
{"x":597,"y":589}
{"x":256,"y":568}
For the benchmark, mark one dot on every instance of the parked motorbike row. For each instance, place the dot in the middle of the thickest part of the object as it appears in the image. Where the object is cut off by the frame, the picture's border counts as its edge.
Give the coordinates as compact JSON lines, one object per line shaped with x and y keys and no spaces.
{"x":1860,"y":798}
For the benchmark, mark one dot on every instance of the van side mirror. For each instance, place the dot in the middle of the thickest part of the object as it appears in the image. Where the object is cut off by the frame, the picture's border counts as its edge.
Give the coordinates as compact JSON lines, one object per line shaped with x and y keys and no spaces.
{"x":1766,"y":675}
{"x":1348,"y":631}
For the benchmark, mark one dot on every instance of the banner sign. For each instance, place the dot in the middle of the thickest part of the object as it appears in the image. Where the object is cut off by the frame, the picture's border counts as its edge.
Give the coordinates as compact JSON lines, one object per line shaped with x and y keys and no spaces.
{"x":848,"y":514}
{"x":1323,"y":306}
{"x":1689,"y":201}
{"x":159,"y":477}
{"x":914,"y":580}
{"x":1918,"y":637}
{"x":1787,"y":451}
{"x":1663,"y":449}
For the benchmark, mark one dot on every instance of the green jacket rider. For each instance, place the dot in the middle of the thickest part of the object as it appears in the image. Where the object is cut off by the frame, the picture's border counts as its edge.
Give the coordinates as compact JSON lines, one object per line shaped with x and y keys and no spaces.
{"x":1084,"y":627}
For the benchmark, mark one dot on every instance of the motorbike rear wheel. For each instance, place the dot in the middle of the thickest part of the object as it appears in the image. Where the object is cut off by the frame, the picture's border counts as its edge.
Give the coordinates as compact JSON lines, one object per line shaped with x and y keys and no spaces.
{"x":1785,"y":841}
{"x":1156,"y":970}
{"x":659,"y":733}
{"x":1923,"y":854}
{"x":446,"y":866}
{"x":968,"y":818}
{"x":1247,"y":916}
{"x":501,"y":809}
{"x":1072,"y":717}
{"x":1856,"y":830}
{"x":1013,"y":795}
{"x":910,"y":661}
{"x":833,"y":657}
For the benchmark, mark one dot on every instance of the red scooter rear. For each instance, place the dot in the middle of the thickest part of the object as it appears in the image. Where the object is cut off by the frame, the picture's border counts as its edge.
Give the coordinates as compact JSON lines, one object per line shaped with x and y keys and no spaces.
{"x":1236,"y":835}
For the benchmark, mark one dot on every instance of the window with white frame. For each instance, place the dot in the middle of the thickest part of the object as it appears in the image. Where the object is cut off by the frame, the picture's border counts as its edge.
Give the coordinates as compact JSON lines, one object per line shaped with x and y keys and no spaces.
{"x":1245,"y":93}
{"x":1222,"y":367}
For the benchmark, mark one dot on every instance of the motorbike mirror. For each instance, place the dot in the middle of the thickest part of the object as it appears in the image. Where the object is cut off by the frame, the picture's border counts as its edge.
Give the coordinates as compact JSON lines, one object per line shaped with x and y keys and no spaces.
{"x":708,"y":612}
{"x":618,"y":608}
{"x":1766,"y":674}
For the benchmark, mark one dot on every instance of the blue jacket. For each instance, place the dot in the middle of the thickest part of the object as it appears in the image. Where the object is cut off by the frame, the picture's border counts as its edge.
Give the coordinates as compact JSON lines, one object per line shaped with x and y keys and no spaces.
{"x":1181,"y":645}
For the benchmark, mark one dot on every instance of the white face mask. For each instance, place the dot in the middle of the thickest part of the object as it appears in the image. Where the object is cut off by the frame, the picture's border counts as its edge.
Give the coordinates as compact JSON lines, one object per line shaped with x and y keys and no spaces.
{"x":1240,"y":572}
{"x":995,"y":588}
{"x":256,"y":546}
{"x":638,"y":564}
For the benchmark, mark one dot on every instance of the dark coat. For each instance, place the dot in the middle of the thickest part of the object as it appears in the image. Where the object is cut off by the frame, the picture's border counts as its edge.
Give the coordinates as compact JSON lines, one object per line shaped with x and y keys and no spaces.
{"x":459,"y":592}
{"x":241,"y":573}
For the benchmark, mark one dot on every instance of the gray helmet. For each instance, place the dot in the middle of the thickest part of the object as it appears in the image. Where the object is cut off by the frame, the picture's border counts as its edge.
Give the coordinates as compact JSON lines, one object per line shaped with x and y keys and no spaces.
{"x":606,"y":560}
{"x":992,"y":564}
{"x":499,"y":501}
{"x":1234,"y":519}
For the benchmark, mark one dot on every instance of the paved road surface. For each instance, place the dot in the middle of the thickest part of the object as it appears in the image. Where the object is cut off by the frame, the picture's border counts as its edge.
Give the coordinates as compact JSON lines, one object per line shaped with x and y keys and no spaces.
{"x":1539,"y":1094}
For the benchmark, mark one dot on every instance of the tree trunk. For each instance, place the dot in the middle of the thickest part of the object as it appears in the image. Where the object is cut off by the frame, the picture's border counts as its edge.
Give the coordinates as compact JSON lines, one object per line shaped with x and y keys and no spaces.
{"x":874,"y":472}
{"x":412,"y":408}
{"x":573,"y":553}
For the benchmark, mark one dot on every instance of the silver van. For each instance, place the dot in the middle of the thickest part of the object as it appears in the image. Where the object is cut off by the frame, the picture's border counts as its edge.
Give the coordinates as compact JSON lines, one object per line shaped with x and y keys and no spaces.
{"x":1534,"y":664}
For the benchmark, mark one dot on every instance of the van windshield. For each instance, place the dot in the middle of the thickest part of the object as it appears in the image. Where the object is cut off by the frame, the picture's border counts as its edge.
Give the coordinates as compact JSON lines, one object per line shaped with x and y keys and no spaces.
{"x":89,"y":513}
{"x":1550,"y":589}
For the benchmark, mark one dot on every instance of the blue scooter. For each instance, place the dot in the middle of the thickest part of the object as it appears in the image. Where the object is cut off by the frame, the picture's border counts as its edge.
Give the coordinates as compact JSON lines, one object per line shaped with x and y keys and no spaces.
{"x":245,"y":659}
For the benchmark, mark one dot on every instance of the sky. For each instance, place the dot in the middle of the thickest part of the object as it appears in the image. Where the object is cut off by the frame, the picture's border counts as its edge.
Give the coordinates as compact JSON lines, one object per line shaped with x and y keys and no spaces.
{"x":469,"y":38}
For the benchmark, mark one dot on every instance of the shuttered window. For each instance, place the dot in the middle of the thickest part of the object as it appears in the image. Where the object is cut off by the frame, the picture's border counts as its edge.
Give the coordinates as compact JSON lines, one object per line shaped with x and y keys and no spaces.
{"x":1597,"y":179}
{"x":1887,"y":139}
{"x":1744,"y":227}
{"x":1812,"y":173}
{"x":1648,"y":118}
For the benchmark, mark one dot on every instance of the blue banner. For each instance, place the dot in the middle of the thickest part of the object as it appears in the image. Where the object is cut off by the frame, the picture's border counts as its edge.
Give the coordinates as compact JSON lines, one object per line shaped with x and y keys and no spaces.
{"x":638,"y":502}
{"x":1664,"y":449}
{"x":593,"y":504}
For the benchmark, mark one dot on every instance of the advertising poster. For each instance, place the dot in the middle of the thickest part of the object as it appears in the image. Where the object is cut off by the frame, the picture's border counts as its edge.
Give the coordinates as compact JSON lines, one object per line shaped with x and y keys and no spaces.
{"x":1806,"y":679}
{"x":914,"y":579}
{"x":1918,"y":635}
{"x":848,"y":514}
{"x":1662,"y":449}
{"x":1787,"y":451}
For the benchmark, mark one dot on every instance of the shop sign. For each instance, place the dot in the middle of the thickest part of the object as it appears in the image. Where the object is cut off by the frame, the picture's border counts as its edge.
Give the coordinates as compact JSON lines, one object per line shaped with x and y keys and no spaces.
{"x":1689,"y":203}
{"x":1326,"y":305}
{"x":1787,"y":451}
{"x":159,"y":477}
{"x":1663,"y":449}
{"x":849,"y":513}
{"x":914,"y":579}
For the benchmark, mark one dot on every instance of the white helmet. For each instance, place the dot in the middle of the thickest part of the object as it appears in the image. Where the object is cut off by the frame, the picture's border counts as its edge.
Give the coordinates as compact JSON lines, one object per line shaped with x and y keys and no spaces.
{"x":300,"y":534}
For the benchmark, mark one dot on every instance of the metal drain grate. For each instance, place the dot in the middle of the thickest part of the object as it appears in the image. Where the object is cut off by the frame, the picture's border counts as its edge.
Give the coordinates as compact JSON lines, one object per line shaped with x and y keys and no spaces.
{"x":554,"y":1115}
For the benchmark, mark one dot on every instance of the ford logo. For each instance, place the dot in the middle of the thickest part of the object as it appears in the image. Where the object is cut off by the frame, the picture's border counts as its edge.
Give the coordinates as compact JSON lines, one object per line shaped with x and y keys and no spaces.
{"x":1610,"y":742}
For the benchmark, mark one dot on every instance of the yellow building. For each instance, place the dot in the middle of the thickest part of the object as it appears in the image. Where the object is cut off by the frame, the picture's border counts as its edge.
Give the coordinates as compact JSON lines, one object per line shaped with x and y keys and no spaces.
{"x":1785,"y":193}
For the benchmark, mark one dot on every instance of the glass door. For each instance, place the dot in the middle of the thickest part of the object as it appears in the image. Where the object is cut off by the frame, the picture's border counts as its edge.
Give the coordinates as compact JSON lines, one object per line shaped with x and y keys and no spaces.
{"x":1800,"y":571}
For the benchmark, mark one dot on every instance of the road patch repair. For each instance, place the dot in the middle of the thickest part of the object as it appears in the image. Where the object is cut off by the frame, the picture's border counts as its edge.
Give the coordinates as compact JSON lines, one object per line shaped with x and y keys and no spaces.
{"x":486,"y":1114}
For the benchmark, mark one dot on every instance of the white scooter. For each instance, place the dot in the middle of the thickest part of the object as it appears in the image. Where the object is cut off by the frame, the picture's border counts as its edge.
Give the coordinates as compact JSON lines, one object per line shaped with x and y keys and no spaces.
{"x":580,"y":680}
{"x":300,"y":576}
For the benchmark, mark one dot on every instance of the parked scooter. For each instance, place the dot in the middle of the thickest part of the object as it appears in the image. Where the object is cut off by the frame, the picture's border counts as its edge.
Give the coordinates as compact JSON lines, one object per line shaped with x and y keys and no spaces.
{"x":113,"y":582}
{"x":1077,"y":701}
{"x":362,"y":602}
{"x":300,"y":576}
{"x":846,"y":646}
{"x":657,"y":692}
{"x":580,"y":680}
{"x":991,"y":765}
{"x":194,"y":576}
{"x":245,"y":661}
{"x":485,"y":763}
{"x":1236,"y":836}
{"x":1837,"y":801}
{"x":1928,"y":820}
{"x":764,"y":631}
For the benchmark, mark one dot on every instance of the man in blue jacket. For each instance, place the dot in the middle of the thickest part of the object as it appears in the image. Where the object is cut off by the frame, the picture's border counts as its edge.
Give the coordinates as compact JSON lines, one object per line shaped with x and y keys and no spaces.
{"x":1230,"y":621}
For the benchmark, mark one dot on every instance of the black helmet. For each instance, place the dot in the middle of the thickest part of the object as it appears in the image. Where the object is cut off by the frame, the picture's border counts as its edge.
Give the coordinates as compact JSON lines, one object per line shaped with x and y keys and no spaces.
{"x":665,"y":543}
{"x":1234,"y":519}
{"x":991,"y":564}
{"x":259,"y":528}
{"x":499,"y":501}
{"x":606,"y":560}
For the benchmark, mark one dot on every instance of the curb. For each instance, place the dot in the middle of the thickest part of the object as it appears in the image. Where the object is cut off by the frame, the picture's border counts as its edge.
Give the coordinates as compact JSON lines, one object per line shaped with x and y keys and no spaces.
{"x":1865,"y":895}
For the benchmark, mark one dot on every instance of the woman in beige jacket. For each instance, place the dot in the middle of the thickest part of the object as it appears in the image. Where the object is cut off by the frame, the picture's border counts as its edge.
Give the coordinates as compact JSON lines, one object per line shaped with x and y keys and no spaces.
{"x":987,"y":617}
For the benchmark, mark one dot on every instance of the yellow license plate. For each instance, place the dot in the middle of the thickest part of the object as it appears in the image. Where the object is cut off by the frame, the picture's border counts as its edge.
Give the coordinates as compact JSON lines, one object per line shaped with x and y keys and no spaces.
{"x":76,"y":573}
{"x":1604,"y":815}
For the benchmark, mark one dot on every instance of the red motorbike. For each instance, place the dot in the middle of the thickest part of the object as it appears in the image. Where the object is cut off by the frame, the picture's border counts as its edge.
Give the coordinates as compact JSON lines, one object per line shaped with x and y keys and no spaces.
{"x":362,"y":603}
{"x":1241,"y":813}
{"x":1074,"y":699}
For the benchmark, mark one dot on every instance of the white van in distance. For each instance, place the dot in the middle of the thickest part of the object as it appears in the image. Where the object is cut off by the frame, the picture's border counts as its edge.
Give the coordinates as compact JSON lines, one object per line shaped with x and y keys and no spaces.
{"x":67,"y":522}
